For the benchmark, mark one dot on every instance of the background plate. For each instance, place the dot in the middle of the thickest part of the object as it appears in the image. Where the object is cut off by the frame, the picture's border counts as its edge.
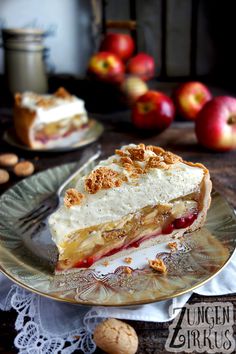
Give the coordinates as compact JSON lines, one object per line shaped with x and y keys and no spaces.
{"x":90,"y":135}
{"x":26,"y":258}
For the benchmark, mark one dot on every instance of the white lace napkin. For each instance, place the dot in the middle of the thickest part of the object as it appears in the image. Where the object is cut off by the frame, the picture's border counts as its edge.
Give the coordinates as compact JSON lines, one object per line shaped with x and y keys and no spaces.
{"x":45,"y":326}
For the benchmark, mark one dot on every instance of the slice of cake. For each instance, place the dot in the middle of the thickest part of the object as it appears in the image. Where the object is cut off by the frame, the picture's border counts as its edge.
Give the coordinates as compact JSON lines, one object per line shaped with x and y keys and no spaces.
{"x":47,"y":121}
{"x":141,"y":193}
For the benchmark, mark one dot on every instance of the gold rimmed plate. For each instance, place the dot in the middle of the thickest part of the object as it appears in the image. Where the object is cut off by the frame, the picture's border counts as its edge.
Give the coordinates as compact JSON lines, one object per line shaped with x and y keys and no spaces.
{"x":27,"y":257}
{"x":88,"y":136}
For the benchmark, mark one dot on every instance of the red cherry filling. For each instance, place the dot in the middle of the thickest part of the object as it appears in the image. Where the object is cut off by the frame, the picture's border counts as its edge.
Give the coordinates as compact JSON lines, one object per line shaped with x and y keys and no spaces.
{"x":191,"y":218}
{"x":85,"y":263}
{"x":180,"y":223}
{"x":186,"y":221}
{"x":168,"y":229}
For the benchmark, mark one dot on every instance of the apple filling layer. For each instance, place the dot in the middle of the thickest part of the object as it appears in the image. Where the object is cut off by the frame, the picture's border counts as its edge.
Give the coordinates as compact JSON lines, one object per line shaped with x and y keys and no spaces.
{"x":59,"y":129}
{"x":84,"y":247}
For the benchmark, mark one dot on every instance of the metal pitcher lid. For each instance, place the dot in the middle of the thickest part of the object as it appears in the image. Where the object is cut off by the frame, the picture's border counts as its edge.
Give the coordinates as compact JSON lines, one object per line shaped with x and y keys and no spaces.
{"x":23,"y":31}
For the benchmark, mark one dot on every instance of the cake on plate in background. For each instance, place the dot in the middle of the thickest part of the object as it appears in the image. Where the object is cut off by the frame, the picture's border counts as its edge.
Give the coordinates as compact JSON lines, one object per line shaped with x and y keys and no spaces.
{"x":50,"y":120}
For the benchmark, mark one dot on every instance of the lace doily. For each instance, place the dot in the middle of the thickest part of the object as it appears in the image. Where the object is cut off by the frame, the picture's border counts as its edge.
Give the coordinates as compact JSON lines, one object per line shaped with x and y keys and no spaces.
{"x":46,"y":326}
{"x":33,"y":337}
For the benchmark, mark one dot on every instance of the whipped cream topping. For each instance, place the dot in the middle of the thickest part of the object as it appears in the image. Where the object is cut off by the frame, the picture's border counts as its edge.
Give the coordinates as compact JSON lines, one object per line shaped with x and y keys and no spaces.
{"x":155,"y":187}
{"x":60,"y":109}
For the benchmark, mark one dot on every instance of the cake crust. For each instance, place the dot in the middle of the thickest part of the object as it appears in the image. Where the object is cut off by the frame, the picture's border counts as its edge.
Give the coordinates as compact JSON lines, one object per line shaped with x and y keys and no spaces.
{"x":23,"y":121}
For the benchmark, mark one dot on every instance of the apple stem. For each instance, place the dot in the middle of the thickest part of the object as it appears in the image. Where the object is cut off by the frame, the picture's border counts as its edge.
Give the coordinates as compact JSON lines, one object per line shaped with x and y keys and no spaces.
{"x":232,"y":120}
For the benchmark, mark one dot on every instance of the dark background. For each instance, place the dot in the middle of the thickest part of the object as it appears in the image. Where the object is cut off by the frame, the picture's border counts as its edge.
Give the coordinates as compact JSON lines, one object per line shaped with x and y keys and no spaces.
{"x":189,"y":39}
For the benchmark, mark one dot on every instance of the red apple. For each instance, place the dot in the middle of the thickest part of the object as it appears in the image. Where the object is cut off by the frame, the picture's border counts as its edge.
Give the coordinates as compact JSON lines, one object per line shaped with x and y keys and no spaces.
{"x":216,"y":124}
{"x":142,"y":65}
{"x":133,"y":87}
{"x":118,"y":43}
{"x":106,"y":66}
{"x":153,"y":111}
{"x":189,"y":99}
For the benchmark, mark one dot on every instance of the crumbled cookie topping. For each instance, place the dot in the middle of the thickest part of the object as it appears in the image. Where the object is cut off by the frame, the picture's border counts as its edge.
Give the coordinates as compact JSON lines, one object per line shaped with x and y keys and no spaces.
{"x":62,"y":93}
{"x":120,"y":152}
{"x":126,"y":159}
{"x":136,"y":173}
{"x":163,"y":165}
{"x":156,"y":162}
{"x":128,"y":167}
{"x":128,"y":270}
{"x":133,"y":162}
{"x":158,"y":265}
{"x":171,"y":158}
{"x":134,"y":169}
{"x":142,"y":146}
{"x":156,"y":149}
{"x":45,"y":102}
{"x":105,"y":263}
{"x":128,"y":260}
{"x":102,"y":178}
{"x":73,"y":197}
{"x":132,"y":156}
{"x":137,"y":154}
{"x":173,"y":246}
{"x":137,"y":169}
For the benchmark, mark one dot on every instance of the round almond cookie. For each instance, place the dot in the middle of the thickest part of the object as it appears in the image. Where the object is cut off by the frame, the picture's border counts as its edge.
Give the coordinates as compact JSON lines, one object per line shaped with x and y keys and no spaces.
{"x":24,"y":169}
{"x":8,"y":160}
{"x":114,"y":336}
{"x":4,"y":176}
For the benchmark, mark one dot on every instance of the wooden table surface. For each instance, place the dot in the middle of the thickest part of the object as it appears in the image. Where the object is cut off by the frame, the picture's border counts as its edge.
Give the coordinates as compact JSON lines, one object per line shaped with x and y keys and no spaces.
{"x":179,"y":138}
